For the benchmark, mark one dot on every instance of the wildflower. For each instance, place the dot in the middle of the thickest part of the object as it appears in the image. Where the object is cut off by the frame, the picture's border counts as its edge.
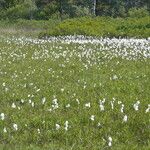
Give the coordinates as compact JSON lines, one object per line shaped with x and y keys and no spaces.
{"x":66,"y":125}
{"x":109,"y":141}
{"x":22,"y":101}
{"x":57,"y":126}
{"x":30,"y":101}
{"x":88,"y":105}
{"x":119,"y":102}
{"x":62,"y":90}
{"x":55,"y":104}
{"x":122,"y":108}
{"x":38,"y":90}
{"x":68,"y":105}
{"x":32,"y":104}
{"x":125,"y":118}
{"x":101,"y":105}
{"x":136,"y":105}
{"x":43,"y":100}
{"x":115,"y":77}
{"x":15,"y":126}
{"x":99,"y":124}
{"x":38,"y":130}
{"x":78,"y":101}
{"x":148,"y":109}
{"x":5,"y":130}
{"x":112,"y":104}
{"x":2,"y":116}
{"x":13,"y":105}
{"x":92,"y":118}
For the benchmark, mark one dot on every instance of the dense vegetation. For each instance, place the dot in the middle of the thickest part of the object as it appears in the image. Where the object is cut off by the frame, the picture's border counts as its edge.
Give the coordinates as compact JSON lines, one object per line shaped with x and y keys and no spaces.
{"x":47,"y":9}
{"x":102,"y":26}
{"x":75,"y":93}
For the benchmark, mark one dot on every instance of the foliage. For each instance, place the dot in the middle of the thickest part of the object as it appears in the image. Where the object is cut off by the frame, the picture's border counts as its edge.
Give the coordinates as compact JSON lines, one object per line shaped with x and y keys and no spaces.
{"x":25,"y":11}
{"x":47,"y":9}
{"x":102,"y":26}
{"x":138,"y":12}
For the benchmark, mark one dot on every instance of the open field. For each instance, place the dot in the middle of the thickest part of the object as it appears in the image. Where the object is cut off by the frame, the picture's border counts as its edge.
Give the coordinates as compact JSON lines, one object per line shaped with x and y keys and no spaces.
{"x":74,"y":93}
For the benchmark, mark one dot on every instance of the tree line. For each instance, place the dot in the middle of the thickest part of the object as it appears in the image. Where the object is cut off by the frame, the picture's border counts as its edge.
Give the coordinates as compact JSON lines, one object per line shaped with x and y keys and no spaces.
{"x":47,"y":9}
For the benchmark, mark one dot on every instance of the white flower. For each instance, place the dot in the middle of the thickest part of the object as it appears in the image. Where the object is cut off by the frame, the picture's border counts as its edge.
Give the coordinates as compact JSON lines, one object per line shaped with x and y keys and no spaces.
{"x":15,"y":126}
{"x":68,"y":105}
{"x":38,"y":90}
{"x":88,"y":105}
{"x":112,"y":104}
{"x":38,"y":130}
{"x":13,"y":105}
{"x":122,"y":108}
{"x":43,"y":100}
{"x":66,"y":125}
{"x":125,"y":118}
{"x":32,"y":104}
{"x":109,"y":144}
{"x":115,"y":77}
{"x":30,"y":101}
{"x":148,"y":109}
{"x":99,"y":124}
{"x":119,"y":102}
{"x":62,"y":90}
{"x":78,"y":101}
{"x":109,"y":141}
{"x":92,"y":118}
{"x":5,"y":130}
{"x":22,"y":101}
{"x":55,"y":104}
{"x":57,"y":126}
{"x":2,"y":116}
{"x":136,"y":105}
{"x":101,"y":104}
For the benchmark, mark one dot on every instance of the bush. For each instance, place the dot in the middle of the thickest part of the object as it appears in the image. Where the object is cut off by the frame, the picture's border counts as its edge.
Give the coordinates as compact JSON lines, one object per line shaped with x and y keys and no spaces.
{"x":138,"y":12}
{"x":24,"y":11}
{"x":102,"y":26}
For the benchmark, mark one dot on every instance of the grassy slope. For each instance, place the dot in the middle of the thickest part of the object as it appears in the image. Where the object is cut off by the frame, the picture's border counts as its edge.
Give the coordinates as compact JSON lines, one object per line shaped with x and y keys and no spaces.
{"x":132,"y":85}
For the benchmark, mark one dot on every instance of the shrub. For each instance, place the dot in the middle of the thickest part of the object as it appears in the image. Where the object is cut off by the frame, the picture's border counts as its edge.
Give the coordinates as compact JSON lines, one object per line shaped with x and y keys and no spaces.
{"x":24,"y":11}
{"x":102,"y":26}
{"x":138,"y":12}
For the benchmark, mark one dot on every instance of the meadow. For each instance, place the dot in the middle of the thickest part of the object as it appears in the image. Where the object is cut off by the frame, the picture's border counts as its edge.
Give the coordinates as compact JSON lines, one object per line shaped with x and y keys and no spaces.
{"x":74,"y":93}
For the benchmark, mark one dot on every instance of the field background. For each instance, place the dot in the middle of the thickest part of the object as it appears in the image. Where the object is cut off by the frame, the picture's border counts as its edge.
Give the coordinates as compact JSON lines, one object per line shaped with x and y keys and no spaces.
{"x":74,"y":75}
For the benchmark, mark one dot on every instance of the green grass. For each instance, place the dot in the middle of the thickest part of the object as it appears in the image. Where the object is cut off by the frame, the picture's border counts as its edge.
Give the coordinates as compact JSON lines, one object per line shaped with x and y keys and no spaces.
{"x":28,"y":28}
{"x":26,"y":67}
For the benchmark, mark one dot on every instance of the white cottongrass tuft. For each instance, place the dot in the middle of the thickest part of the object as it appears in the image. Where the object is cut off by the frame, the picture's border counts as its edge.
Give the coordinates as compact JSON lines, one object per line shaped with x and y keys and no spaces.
{"x":13,"y":105}
{"x":88,"y":105}
{"x":92,"y":118}
{"x":109,"y":141}
{"x":5,"y":130}
{"x":2,"y":116}
{"x":125,"y":118}
{"x":136,"y":106}
{"x":148,"y":109}
{"x":122,"y":108}
{"x":43,"y":100}
{"x":66,"y":125}
{"x":15,"y":127}
{"x":57,"y":126}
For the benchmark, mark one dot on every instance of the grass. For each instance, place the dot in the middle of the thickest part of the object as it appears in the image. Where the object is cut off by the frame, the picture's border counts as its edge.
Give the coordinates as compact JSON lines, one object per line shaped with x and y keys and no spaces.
{"x":76,"y":74}
{"x":30,"y":28}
